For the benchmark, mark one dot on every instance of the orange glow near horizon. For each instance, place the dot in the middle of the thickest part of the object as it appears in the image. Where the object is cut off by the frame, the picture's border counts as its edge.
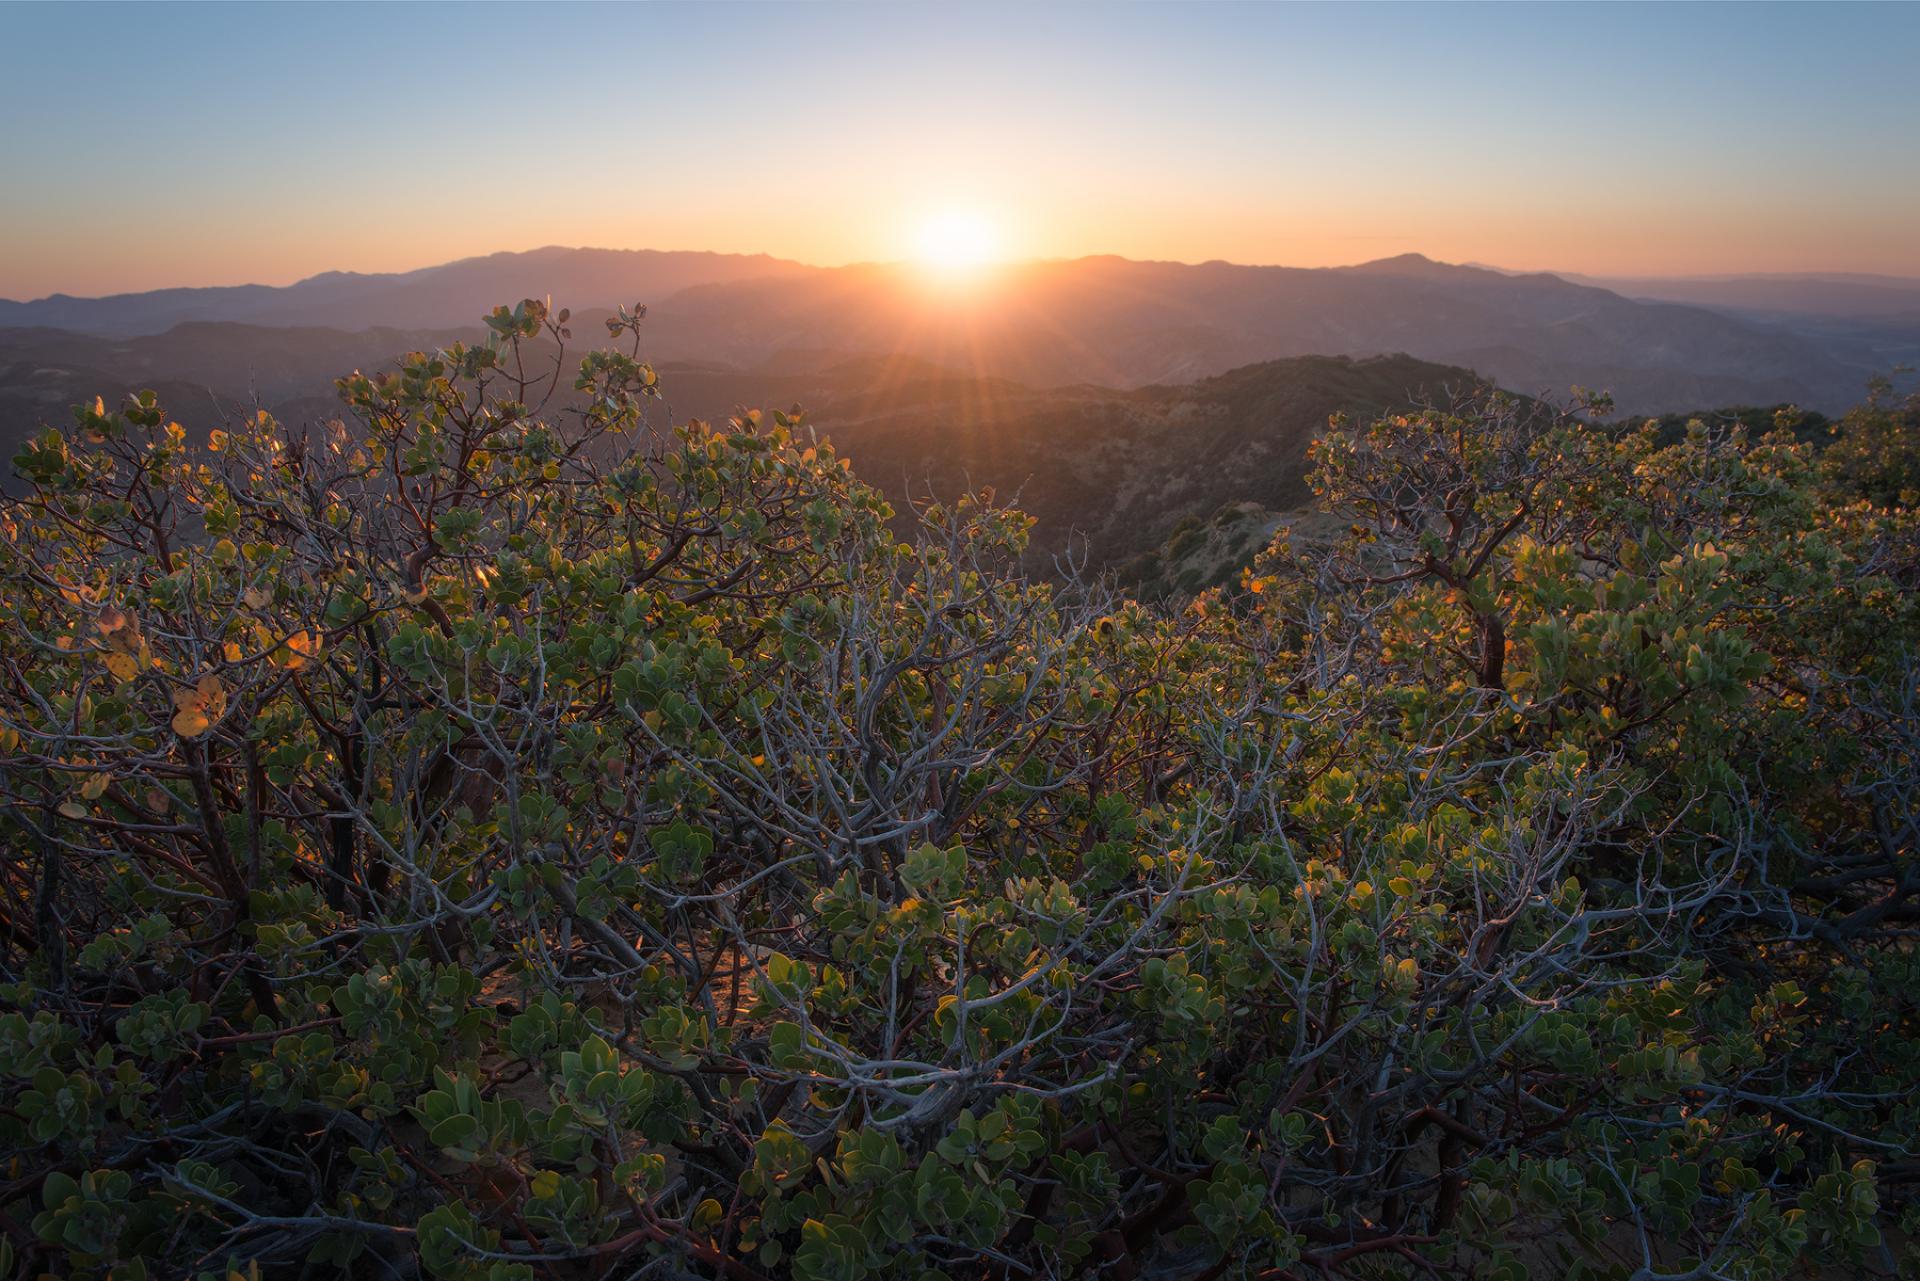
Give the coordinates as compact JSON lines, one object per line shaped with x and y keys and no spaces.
{"x":1163,"y":132}
{"x":955,"y":243}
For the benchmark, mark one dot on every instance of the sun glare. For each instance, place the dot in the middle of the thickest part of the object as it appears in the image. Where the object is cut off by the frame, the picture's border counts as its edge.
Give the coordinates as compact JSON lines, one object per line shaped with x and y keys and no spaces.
{"x":957,"y":241}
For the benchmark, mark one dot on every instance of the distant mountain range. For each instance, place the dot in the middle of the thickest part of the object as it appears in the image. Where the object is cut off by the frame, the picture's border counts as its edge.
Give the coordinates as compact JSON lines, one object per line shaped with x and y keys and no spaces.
{"x":1106,"y":321}
{"x":1835,"y":294}
{"x":455,"y":293}
{"x":1152,"y":416}
{"x":1865,"y":322}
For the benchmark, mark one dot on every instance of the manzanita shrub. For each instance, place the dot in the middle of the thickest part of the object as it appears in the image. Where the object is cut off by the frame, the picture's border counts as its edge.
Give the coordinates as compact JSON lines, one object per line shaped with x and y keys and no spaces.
{"x":496,"y":836}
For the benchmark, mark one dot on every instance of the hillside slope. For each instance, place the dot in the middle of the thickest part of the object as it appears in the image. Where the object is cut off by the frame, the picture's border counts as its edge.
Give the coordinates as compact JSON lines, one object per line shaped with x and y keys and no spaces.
{"x":1112,"y":473}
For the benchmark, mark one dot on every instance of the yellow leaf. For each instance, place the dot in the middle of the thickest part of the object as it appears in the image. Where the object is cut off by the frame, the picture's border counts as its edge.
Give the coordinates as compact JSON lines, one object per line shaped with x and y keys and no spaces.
{"x":95,"y":784}
{"x":233,"y":651}
{"x":302,"y":647}
{"x":119,"y":629}
{"x":213,"y":696}
{"x":198,"y":708}
{"x":123,"y":666}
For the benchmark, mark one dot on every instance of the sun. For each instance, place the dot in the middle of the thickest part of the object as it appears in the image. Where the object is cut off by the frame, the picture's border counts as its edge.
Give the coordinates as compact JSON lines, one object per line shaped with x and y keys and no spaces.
{"x":957,"y":241}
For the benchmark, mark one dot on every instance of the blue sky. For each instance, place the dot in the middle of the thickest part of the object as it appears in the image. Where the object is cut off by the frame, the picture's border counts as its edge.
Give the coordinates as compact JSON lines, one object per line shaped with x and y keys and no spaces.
{"x":159,"y":144}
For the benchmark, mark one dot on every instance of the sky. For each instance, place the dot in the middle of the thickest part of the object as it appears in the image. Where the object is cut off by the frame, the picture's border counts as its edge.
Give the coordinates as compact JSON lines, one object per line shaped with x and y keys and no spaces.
{"x":154,"y":145}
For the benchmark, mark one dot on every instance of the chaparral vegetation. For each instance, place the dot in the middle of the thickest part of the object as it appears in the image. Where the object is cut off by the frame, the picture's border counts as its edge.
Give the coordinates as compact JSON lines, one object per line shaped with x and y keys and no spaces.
{"x":498,"y":835}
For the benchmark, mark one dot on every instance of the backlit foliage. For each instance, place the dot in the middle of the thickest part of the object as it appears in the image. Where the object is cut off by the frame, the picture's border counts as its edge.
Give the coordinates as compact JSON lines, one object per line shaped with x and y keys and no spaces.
{"x":492,"y":836}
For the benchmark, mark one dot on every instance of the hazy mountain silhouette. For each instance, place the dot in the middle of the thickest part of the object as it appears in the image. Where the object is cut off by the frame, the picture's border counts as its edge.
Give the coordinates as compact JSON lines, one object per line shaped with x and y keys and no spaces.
{"x":1122,"y":323}
{"x":1848,"y":294}
{"x":1102,"y":320}
{"x":455,"y":293}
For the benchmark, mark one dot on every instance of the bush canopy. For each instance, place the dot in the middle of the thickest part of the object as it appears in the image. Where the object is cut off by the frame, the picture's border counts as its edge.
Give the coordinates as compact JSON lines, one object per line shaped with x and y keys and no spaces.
{"x":491,"y":837}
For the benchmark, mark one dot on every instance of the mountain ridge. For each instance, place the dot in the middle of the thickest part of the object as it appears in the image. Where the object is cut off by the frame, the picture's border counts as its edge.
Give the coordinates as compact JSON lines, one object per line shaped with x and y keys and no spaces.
{"x":444,"y":294}
{"x":1100,"y":319}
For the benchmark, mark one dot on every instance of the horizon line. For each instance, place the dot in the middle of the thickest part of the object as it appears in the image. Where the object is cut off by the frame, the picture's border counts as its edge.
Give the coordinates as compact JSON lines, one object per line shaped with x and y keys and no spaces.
{"x":1561,"y":273}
